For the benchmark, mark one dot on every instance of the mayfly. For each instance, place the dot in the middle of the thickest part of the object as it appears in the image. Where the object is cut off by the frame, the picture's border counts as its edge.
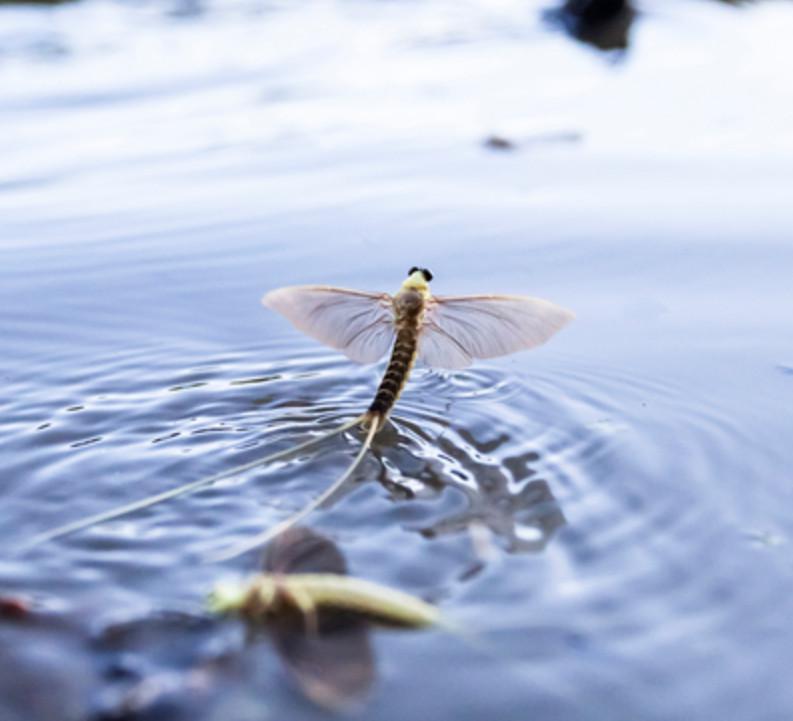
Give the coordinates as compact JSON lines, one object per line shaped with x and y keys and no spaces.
{"x":310,"y":592}
{"x":447,"y":332}
{"x":305,"y":573}
{"x":317,"y":617}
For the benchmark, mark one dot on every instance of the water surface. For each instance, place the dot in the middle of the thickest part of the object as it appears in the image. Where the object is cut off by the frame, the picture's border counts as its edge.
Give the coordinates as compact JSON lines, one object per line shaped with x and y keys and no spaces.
{"x":164,"y":165}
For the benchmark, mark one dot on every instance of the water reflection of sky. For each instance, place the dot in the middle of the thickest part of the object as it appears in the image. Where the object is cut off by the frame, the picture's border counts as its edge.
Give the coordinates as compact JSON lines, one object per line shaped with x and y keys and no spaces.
{"x":134,"y":88}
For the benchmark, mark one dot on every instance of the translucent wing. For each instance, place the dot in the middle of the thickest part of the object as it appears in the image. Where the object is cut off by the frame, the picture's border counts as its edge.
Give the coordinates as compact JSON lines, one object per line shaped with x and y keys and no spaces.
{"x":300,"y":550}
{"x":458,"y":329}
{"x":333,"y":663}
{"x":359,"y":324}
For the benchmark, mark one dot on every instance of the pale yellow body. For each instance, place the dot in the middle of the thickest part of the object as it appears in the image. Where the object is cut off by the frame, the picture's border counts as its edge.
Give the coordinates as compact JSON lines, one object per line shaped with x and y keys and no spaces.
{"x":309,"y":592}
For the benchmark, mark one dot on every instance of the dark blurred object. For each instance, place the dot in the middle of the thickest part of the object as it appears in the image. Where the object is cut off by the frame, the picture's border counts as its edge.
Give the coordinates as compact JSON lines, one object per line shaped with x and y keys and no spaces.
{"x":11,"y":607}
{"x":161,"y":665}
{"x":593,"y":12}
{"x":498,"y":142}
{"x":604,"y":24}
{"x":501,"y":143}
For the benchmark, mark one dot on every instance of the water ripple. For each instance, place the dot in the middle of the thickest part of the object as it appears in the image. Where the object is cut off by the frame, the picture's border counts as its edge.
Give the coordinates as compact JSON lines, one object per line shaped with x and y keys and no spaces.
{"x":608,"y":474}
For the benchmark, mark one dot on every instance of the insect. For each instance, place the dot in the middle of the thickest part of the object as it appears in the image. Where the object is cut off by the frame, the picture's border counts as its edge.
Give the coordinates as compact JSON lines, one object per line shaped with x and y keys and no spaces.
{"x":320,"y":630}
{"x":267,"y":594}
{"x":443,"y":332}
{"x":447,"y":332}
{"x":290,"y":583}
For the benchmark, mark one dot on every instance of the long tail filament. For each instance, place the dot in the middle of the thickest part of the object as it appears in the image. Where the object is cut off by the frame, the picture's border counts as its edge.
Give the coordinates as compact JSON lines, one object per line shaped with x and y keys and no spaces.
{"x":84,"y":523}
{"x":260,"y":539}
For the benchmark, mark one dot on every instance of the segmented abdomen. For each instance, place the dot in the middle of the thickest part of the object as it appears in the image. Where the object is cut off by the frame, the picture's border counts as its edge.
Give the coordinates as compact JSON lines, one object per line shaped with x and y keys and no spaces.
{"x":387,"y":605}
{"x":402,"y":358}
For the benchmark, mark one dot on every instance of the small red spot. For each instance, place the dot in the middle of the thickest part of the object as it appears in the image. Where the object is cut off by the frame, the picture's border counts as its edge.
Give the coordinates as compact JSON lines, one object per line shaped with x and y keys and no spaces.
{"x":13,"y":607}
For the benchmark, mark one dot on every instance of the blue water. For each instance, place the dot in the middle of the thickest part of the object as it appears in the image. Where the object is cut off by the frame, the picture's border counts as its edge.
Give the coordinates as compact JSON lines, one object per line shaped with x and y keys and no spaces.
{"x":165,"y":165}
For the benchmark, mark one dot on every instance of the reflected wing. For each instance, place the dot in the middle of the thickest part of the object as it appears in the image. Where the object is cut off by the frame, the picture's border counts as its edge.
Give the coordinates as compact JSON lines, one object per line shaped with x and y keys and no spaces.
{"x":334,"y":663}
{"x":458,"y":329}
{"x":359,"y":324}
{"x":334,"y":667}
{"x":301,"y":550}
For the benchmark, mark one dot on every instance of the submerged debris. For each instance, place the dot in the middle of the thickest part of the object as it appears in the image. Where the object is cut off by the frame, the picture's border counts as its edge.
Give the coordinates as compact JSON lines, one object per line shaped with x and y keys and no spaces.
{"x":14,"y":607}
{"x":604,"y":24}
{"x":498,"y":142}
{"x":502,"y":143}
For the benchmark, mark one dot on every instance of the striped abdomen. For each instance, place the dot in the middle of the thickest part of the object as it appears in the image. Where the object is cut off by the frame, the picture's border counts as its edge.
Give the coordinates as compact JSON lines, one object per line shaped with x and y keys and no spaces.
{"x":402,"y":358}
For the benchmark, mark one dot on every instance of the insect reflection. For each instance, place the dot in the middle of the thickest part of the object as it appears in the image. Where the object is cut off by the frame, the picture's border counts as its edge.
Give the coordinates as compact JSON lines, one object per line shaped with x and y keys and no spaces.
{"x":318,"y":617}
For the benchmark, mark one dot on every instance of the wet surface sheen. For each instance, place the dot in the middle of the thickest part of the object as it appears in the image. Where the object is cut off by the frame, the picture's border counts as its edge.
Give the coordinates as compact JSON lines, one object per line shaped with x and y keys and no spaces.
{"x":612,"y":513}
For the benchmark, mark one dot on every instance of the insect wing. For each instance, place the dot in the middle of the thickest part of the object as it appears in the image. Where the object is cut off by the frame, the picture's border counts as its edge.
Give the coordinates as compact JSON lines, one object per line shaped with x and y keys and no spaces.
{"x":440,"y":349}
{"x":359,"y":324}
{"x":334,"y":667}
{"x":300,"y":550}
{"x":458,"y":329}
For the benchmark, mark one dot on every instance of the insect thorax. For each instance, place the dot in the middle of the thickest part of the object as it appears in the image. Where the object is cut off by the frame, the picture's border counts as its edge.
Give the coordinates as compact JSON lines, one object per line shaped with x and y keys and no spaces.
{"x":263,"y":598}
{"x":408,"y":306}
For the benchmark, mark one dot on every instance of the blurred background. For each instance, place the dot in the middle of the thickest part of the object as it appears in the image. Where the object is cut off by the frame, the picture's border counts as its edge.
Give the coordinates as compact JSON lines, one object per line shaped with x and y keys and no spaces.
{"x":163,"y":163}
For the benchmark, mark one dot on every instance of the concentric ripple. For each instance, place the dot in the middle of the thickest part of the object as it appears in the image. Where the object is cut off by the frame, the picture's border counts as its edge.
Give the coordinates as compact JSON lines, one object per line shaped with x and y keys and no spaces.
{"x":612,"y":476}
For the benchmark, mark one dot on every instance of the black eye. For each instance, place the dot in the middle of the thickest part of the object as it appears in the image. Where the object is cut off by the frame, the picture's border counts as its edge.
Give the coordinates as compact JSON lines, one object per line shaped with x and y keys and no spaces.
{"x":426,"y":273}
{"x":412,"y":270}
